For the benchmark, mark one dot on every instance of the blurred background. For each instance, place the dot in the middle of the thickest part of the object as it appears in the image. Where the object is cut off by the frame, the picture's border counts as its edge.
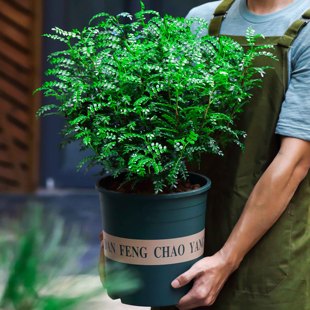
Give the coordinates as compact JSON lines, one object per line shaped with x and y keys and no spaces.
{"x":34,"y":169}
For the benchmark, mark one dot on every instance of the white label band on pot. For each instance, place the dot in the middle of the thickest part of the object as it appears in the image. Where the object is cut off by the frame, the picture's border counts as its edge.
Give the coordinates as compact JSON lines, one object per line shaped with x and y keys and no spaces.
{"x":154,"y":252}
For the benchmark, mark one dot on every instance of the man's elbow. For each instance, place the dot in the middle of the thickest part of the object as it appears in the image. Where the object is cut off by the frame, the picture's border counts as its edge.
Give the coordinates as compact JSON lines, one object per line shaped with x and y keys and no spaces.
{"x":295,"y":156}
{"x":302,"y":169}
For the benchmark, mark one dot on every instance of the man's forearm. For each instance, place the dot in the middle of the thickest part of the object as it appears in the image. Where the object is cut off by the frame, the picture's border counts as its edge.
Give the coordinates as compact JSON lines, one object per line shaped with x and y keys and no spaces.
{"x":268,"y":200}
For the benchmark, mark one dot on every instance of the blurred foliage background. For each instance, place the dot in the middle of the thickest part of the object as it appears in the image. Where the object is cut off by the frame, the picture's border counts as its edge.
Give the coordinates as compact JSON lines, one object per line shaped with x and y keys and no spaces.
{"x":38,"y":261}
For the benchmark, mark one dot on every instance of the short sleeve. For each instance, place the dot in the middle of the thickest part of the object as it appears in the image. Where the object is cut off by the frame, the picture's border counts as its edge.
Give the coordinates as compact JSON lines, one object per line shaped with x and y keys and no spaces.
{"x":204,"y":11}
{"x":294,"y":119}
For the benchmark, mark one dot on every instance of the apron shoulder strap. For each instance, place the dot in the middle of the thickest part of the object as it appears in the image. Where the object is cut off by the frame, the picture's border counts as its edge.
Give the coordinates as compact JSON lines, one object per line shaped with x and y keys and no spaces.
{"x":292,"y":32}
{"x":218,"y":17}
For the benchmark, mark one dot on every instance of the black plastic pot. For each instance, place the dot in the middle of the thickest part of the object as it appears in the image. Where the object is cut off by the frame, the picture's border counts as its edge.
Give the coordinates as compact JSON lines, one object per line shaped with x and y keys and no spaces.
{"x":155,"y":238}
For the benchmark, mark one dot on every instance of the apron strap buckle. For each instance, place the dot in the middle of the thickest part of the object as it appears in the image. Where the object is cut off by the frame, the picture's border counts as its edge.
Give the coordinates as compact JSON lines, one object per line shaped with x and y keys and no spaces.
{"x":220,"y":14}
{"x":218,"y":17}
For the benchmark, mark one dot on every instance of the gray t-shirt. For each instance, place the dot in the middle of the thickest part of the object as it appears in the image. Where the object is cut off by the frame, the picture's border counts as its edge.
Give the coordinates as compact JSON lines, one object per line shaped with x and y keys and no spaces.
{"x":294,"y":119}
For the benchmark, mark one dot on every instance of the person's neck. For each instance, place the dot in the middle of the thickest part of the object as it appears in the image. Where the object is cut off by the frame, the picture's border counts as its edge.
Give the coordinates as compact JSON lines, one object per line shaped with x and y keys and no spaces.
{"x":267,"y":6}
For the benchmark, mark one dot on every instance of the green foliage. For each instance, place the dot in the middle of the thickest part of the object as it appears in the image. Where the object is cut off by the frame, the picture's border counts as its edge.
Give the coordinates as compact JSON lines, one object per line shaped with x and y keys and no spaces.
{"x":40,"y":266}
{"x":149,"y":95}
{"x":33,"y":259}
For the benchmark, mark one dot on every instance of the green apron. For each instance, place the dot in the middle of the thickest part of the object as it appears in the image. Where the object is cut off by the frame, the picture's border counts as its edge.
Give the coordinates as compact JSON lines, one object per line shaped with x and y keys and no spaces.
{"x":275,"y":275}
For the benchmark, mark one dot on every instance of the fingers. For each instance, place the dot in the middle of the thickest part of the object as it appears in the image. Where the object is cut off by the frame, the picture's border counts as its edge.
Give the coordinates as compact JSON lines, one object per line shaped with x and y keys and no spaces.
{"x":197,"y":297}
{"x":186,"y":277}
{"x":101,"y":236}
{"x":209,"y":275}
{"x":101,"y":259}
{"x":101,"y":268}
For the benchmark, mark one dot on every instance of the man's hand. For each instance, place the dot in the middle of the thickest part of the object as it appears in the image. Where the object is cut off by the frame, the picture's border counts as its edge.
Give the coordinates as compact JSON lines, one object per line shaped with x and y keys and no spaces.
{"x":101,"y":259}
{"x":268,"y":200}
{"x":209,"y":275}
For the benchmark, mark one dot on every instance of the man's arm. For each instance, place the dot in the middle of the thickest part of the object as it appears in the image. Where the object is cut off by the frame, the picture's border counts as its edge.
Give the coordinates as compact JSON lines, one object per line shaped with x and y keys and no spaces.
{"x":268,"y":200}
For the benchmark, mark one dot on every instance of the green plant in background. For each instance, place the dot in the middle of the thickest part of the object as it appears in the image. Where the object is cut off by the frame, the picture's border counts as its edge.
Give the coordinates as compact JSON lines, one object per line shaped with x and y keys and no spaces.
{"x":39,"y":265}
{"x":40,"y":257}
{"x":149,"y":96}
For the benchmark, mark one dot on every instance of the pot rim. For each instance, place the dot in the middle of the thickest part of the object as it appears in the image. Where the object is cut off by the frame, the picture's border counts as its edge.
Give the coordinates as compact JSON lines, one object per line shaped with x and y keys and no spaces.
{"x":193,"y":192}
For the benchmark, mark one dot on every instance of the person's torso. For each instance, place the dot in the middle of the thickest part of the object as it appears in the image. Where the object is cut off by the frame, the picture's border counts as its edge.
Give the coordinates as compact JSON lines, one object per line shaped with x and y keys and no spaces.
{"x":278,"y":267}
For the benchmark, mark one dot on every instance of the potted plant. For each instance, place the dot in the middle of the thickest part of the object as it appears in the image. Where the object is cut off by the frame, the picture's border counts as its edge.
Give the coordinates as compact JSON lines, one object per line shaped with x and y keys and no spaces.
{"x":148,"y":95}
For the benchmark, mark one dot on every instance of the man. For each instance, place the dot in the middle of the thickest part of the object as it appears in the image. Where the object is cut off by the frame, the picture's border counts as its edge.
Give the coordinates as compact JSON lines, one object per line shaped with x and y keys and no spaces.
{"x":258,"y":235}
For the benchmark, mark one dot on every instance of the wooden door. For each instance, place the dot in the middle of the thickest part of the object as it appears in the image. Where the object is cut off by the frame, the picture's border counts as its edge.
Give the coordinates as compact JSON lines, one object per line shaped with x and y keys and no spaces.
{"x":20,"y":28}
